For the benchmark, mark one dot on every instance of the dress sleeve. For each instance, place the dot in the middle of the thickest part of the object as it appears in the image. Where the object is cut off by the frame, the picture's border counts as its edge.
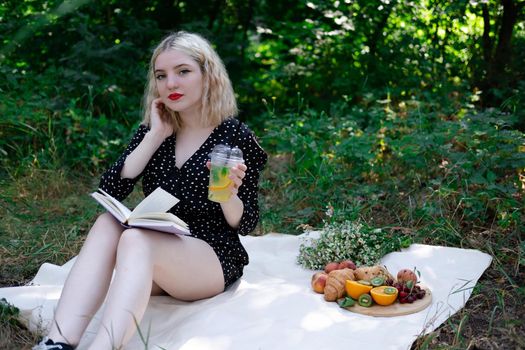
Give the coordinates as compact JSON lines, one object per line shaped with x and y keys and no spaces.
{"x":111,"y":181}
{"x":255,"y":158}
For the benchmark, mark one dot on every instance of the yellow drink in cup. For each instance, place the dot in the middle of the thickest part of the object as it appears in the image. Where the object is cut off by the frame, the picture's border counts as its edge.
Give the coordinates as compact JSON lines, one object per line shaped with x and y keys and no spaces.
{"x":219,"y":188}
{"x":223,"y":158}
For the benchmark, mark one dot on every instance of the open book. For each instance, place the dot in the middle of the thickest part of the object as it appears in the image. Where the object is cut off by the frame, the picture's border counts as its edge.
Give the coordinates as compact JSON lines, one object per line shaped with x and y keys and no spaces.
{"x":151,"y":213}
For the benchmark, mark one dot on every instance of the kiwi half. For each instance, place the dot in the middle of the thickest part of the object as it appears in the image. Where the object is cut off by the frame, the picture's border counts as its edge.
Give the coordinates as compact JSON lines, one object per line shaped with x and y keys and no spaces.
{"x":389,"y":290}
{"x":377,"y":281}
{"x":365,"y":300}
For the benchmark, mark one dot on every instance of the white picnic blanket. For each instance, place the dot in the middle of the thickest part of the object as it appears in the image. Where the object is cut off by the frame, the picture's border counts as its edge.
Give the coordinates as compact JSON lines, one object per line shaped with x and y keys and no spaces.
{"x":272,"y":307}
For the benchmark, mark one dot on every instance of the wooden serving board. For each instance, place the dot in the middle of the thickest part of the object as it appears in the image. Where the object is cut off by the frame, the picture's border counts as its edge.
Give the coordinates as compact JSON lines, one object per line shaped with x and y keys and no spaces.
{"x":396,"y":309}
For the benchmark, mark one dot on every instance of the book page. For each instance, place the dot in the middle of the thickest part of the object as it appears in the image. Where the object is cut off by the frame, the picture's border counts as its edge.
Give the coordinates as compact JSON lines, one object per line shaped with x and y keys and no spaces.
{"x":121,"y":207}
{"x":159,"y":201}
{"x":168,"y":217}
{"x":163,"y":226}
{"x":110,"y":206}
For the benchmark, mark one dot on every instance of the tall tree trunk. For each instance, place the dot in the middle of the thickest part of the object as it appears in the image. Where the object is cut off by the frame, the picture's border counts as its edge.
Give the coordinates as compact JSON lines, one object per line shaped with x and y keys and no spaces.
{"x":486,"y":41}
{"x":214,"y":12}
{"x":246,"y":26}
{"x":498,"y":60}
{"x":504,"y":48}
{"x":167,"y":14}
{"x":435,"y":38}
{"x":374,"y":38}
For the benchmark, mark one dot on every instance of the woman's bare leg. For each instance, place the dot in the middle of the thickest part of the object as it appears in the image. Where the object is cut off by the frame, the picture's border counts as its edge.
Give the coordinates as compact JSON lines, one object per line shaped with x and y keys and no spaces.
{"x":88,"y":281}
{"x":185,"y":267}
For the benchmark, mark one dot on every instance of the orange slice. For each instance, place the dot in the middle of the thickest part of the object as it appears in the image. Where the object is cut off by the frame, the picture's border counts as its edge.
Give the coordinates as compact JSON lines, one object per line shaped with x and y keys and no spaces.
{"x":354,"y":289}
{"x":384,"y":298}
{"x":218,"y":188}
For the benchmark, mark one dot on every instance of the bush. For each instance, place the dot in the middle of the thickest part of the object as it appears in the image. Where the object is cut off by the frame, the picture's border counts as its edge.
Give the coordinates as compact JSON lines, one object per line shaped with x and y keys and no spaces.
{"x":53,"y":132}
{"x":411,"y":163}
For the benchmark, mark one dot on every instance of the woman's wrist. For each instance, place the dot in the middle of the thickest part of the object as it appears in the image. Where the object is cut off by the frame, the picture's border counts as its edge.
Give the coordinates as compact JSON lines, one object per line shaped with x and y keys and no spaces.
{"x":137,"y":160}
{"x":155,"y":137}
{"x":233,"y":210}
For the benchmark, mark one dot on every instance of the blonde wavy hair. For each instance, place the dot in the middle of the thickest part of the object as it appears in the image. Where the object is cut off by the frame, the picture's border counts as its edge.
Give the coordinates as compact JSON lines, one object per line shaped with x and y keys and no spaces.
{"x":218,"y":98}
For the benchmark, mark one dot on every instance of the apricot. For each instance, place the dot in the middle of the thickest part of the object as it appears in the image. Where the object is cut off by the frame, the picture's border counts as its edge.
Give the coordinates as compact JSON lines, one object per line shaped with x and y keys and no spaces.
{"x":406,"y":275}
{"x":331,"y":267}
{"x":347,"y":264}
{"x":319,"y":282}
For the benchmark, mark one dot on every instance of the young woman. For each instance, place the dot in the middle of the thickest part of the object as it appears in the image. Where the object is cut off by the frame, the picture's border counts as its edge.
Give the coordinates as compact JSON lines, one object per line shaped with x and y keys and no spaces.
{"x":189,"y":108}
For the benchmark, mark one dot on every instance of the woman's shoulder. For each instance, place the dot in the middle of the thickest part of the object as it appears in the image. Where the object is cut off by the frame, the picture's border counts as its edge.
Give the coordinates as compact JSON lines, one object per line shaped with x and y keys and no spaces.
{"x":246,"y":139}
{"x":235,"y":126}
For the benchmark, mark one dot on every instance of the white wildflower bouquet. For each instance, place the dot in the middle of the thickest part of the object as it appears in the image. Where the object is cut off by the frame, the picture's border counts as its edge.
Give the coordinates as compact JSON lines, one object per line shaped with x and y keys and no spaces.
{"x":346,"y":240}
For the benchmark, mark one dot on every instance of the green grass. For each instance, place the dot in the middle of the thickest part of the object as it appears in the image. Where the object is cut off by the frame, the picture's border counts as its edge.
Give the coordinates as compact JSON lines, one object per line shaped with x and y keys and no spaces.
{"x":45,"y":215}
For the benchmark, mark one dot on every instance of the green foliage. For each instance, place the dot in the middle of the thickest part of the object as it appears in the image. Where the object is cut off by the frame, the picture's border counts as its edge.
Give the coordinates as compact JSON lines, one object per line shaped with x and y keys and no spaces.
{"x":344,"y":50}
{"x":84,"y":60}
{"x":346,"y":241}
{"x":411,"y":164}
{"x":71,"y":101}
{"x":56,"y":132}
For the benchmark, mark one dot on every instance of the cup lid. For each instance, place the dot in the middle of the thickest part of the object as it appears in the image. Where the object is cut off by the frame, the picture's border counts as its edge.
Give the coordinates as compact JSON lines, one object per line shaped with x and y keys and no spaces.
{"x":236,"y":153}
{"x":224,"y":151}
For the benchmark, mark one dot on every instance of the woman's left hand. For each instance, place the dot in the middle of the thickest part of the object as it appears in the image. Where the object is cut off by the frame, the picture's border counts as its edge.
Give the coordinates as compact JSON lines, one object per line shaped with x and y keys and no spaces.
{"x":237,"y":174}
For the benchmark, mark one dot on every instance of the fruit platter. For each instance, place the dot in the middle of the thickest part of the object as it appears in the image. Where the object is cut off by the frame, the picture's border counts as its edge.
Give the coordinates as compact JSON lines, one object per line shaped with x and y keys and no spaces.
{"x":372,"y":290}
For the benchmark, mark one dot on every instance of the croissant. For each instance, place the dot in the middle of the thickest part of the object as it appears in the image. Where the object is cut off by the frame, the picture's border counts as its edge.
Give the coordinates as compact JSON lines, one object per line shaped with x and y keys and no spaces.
{"x":335,"y":284}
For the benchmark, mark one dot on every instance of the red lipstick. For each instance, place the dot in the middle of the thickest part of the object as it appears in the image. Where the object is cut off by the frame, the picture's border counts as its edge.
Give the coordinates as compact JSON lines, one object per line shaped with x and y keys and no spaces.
{"x":175,"y":96}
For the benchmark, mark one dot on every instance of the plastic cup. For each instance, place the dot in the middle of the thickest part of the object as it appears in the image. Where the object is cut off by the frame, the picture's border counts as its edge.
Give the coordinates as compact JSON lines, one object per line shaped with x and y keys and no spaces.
{"x":223,"y":158}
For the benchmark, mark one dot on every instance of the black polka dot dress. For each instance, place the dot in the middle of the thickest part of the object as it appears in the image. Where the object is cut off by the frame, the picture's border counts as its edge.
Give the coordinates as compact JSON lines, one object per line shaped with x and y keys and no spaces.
{"x":190,"y":184}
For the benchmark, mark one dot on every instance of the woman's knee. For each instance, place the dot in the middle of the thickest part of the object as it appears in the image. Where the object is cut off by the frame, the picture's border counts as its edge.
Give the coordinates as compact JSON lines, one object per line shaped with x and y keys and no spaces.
{"x":106,"y":229}
{"x":106,"y":219}
{"x":134,"y":242}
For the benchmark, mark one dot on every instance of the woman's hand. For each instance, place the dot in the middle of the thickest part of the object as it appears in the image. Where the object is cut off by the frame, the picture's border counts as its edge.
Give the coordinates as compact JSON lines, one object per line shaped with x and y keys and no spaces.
{"x":237,"y":174}
{"x":160,"y":128}
{"x":159,"y":119}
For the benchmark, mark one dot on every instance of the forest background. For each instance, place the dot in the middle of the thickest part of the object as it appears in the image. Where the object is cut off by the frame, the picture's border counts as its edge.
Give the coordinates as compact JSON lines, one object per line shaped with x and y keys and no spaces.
{"x":407,"y":116}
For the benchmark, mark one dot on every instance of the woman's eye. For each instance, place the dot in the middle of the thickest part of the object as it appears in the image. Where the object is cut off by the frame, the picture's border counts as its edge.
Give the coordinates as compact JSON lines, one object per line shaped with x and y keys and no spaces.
{"x":160,"y":76}
{"x":184,"y":71}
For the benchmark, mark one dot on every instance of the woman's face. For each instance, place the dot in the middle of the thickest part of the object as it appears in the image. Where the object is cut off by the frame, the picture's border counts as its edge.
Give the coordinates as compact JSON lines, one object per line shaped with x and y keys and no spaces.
{"x":179,"y":81}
